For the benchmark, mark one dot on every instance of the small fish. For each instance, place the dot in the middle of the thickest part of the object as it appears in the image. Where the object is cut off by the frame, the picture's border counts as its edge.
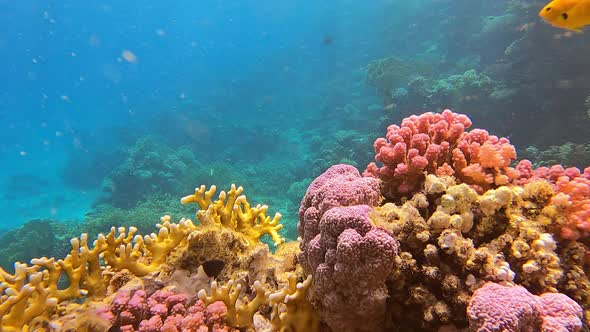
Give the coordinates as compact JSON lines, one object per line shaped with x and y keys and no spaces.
{"x":567,"y":14}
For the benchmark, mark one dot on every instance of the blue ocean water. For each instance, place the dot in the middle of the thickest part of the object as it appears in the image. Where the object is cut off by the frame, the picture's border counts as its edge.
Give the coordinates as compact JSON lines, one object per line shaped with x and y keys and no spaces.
{"x":107,"y":105}
{"x":215,"y":75}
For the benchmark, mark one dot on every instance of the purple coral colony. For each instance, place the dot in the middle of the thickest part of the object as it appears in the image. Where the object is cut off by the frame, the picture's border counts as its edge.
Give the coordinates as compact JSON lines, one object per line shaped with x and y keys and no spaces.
{"x":443,"y":234}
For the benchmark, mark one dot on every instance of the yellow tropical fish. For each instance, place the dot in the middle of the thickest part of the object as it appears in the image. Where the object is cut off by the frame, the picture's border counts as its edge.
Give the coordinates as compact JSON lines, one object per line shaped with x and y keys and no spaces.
{"x":567,"y":14}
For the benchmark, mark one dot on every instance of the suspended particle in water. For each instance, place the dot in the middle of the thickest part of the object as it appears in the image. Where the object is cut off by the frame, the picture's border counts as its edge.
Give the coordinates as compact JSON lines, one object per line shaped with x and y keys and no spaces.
{"x":564,"y":84}
{"x":58,"y":134}
{"x":160,"y":32}
{"x":65,"y":98}
{"x":23,"y":153}
{"x":94,"y":40}
{"x":129,"y":56}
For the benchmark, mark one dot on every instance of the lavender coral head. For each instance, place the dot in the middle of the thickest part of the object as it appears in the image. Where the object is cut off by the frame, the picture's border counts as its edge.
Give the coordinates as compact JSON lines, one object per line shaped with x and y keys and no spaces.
{"x":340,"y":185}
{"x":349,"y":257}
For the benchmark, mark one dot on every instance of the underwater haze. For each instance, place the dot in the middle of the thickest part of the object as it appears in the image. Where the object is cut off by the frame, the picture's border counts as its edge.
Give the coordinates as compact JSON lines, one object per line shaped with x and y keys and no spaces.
{"x":88,"y":85}
{"x":111,"y":111}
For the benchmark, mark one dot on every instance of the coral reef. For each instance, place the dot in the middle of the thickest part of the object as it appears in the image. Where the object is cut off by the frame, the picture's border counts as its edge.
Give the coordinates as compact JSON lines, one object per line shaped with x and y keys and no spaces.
{"x":346,"y":147}
{"x":34,"y":295}
{"x":567,"y":154}
{"x":444,"y":235}
{"x":390,"y":73}
{"x":460,"y":221}
{"x":571,"y":203}
{"x":51,"y":238}
{"x":33,"y":239}
{"x":520,"y":94}
{"x":149,"y":167}
{"x":460,"y":91}
{"x":452,"y":239}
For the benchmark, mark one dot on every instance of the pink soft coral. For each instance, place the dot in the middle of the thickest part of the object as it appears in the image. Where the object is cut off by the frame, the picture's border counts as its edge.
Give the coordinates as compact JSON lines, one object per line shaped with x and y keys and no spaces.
{"x":438,"y":144}
{"x":572,"y":195}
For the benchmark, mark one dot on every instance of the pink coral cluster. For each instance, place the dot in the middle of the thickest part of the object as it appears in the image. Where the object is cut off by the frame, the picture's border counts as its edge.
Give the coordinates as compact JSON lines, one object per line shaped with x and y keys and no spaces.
{"x":437,"y":143}
{"x":573,"y":195}
{"x":511,"y":308}
{"x":164,"y":311}
{"x":347,"y":255}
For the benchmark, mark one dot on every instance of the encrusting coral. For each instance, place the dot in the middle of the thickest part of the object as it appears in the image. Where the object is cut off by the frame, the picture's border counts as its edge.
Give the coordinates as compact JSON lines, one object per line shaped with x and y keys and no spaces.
{"x":35,"y":294}
{"x":497,"y":307}
{"x":452,"y":240}
{"x":163,"y":311}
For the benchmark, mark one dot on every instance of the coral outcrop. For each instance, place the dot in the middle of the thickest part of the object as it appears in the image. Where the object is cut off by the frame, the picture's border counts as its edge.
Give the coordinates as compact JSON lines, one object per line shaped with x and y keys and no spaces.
{"x":462,"y":217}
{"x":348,"y":256}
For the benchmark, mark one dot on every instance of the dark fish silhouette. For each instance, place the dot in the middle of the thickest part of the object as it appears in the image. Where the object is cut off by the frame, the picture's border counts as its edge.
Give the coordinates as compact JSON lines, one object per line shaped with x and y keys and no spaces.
{"x":213,"y":267}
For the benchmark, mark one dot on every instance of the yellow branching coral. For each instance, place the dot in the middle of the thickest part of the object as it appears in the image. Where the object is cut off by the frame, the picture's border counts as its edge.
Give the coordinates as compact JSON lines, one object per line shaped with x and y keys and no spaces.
{"x":124,"y":250}
{"x":291,"y":311}
{"x":35,"y":290}
{"x":24,"y":297}
{"x":240,"y":312}
{"x":232,"y":210}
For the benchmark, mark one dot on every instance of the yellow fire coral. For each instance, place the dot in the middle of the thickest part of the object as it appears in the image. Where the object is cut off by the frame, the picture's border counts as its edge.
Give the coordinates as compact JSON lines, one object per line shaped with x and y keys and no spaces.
{"x":233,"y":211}
{"x":290,"y":309}
{"x":34,"y":290}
